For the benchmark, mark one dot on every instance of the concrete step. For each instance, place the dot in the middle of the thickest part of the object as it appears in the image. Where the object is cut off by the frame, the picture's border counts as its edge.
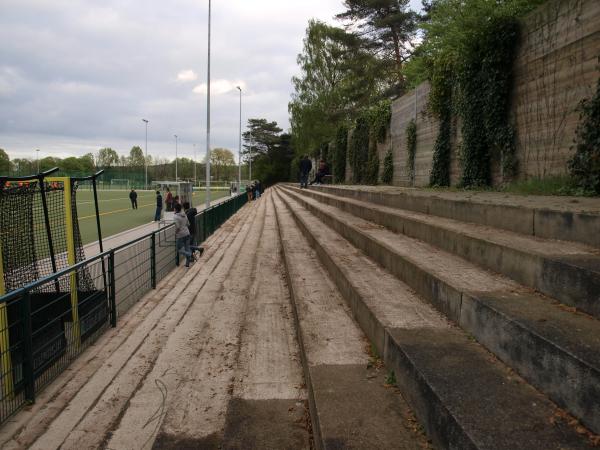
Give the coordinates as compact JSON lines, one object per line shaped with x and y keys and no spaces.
{"x":565,"y":218}
{"x":268,"y":408}
{"x":226,"y":377}
{"x":556,"y":350}
{"x":566,"y":271}
{"x":90,"y":392}
{"x":463,"y":396}
{"x":349,"y":403}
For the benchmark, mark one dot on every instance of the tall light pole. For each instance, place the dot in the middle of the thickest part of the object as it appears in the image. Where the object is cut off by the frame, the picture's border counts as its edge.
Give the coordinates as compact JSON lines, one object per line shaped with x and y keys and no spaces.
{"x":240,"y":145}
{"x":176,"y":177}
{"x":250,"y":163}
{"x":37,"y":152}
{"x":194,"y":164}
{"x":146,"y":157}
{"x":208,"y":115}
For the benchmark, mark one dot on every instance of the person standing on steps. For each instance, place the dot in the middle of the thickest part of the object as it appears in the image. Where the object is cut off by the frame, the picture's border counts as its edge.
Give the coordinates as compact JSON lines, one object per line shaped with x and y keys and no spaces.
{"x":191,"y":213}
{"x":258,"y":188}
{"x":182,"y":235}
{"x":133,"y":198}
{"x":305,"y":167}
{"x":169,"y":200}
{"x":159,"y":205}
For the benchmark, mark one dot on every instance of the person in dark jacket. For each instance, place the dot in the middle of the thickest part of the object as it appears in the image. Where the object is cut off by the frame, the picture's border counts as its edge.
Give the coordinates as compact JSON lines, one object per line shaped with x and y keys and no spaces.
{"x":321,"y":172}
{"x":191,"y":216}
{"x":169,"y":200}
{"x":259,"y":190}
{"x":159,"y":205}
{"x":305,"y":167}
{"x":133,"y":198}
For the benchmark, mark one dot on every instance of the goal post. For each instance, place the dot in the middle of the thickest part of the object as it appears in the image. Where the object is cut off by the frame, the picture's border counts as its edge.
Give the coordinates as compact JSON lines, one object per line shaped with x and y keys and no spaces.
{"x":39,"y":237}
{"x":119,"y":183}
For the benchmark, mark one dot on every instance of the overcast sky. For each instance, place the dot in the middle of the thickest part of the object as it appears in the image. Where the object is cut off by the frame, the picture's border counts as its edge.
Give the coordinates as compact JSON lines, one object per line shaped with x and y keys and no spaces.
{"x":78,"y":75}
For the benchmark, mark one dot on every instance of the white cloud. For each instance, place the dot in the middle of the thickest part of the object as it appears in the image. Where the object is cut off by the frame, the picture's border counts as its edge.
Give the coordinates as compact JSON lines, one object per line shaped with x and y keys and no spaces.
{"x":81,"y":74}
{"x":219,"y":87}
{"x":187,"y":75}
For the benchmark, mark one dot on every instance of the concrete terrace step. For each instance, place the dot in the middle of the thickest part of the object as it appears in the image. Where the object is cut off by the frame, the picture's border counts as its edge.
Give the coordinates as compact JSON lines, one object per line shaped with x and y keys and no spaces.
{"x":104,"y":359}
{"x":350,"y":406}
{"x":565,"y":218}
{"x":216,"y":391}
{"x":556,"y":350}
{"x":268,"y":406}
{"x":84,"y":409}
{"x":564,"y":270}
{"x":462,"y":395}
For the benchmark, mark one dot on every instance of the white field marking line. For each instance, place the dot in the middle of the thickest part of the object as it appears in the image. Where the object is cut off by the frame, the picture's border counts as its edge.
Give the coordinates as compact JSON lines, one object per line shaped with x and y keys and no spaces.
{"x":108,"y":213}
{"x":116,"y":211}
{"x":120,"y":199}
{"x":86,"y":202}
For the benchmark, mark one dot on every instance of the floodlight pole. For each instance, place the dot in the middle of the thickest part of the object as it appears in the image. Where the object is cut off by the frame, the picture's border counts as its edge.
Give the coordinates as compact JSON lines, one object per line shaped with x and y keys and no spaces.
{"x":250,"y":164}
{"x":176,"y":179}
{"x":208,"y":115}
{"x":240,"y":145}
{"x":37,"y":151}
{"x":146,"y":157}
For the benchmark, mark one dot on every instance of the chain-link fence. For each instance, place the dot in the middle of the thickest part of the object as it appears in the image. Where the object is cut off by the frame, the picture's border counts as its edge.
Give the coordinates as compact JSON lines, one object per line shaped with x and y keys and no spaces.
{"x":43,"y":328}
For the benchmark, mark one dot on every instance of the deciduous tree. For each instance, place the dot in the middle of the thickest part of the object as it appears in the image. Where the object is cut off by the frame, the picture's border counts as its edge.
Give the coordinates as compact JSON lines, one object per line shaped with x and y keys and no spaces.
{"x":71,"y":165}
{"x":4,"y":162}
{"x":107,"y":157}
{"x":136,"y":157}
{"x":221,"y":159}
{"x":87,"y":162}
{"x":338,"y":78}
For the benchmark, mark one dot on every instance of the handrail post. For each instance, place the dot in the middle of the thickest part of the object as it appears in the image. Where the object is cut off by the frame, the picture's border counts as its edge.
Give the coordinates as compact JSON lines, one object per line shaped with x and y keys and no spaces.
{"x":153,"y":260}
{"x":112,"y":290}
{"x":28,"y":375}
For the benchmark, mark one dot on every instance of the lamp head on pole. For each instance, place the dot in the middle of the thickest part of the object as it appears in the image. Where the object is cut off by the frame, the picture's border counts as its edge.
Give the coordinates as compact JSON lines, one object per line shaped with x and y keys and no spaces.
{"x":144,"y":120}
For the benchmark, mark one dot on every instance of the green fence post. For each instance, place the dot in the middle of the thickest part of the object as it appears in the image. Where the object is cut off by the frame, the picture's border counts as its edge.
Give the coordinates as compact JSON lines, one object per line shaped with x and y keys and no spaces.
{"x":112,"y":297}
{"x":153,"y":260}
{"x":28,"y":376}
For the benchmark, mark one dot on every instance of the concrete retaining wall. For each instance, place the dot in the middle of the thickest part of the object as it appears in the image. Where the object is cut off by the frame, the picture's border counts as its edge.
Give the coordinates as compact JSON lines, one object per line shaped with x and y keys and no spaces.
{"x":557,"y":65}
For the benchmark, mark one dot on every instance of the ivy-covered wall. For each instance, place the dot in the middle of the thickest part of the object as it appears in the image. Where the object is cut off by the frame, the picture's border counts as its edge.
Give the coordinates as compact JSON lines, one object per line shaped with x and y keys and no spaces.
{"x":403,"y":111}
{"x":556,"y":66}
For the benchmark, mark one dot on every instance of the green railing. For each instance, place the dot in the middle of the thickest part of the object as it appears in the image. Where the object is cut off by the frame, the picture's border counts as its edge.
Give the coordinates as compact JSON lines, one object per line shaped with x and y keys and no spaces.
{"x":47,"y":324}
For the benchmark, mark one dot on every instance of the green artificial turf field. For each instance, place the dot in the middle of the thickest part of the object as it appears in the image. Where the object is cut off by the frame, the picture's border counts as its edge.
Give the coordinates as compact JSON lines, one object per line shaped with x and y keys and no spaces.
{"x":116,"y":214}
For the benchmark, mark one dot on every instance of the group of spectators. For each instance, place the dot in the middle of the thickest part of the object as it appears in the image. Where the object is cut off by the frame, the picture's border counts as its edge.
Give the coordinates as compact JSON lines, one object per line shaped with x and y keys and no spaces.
{"x":185,"y":226}
{"x":306,"y":167}
{"x":254,"y":190}
{"x":185,"y":232}
{"x":185,"y":219}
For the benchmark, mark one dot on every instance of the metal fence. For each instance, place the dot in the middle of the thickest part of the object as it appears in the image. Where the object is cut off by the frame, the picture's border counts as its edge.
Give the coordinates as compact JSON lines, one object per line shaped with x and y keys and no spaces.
{"x":45,"y":325}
